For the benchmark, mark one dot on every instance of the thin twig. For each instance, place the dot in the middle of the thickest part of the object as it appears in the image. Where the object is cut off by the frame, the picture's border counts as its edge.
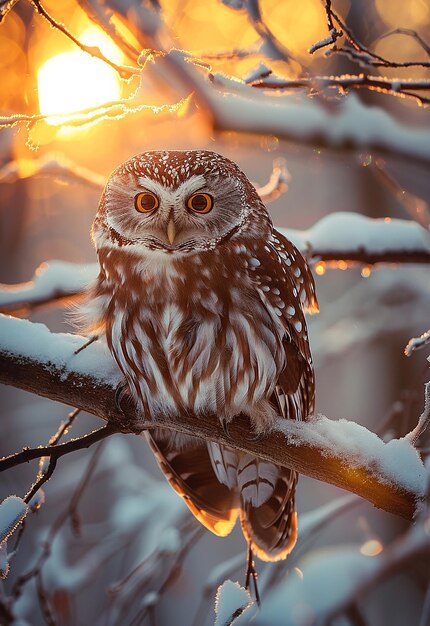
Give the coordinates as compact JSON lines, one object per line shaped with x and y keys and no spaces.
{"x":416,"y":343}
{"x":57,"y":451}
{"x":123,"y":71}
{"x":314,"y":84}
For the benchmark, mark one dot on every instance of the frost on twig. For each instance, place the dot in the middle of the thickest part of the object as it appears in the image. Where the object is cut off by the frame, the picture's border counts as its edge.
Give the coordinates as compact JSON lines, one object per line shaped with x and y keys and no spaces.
{"x":277,"y":184}
{"x":12,"y":511}
{"x":331,"y":38}
{"x":416,"y":343}
{"x":4,"y":561}
{"x":423,"y":420}
{"x":233,"y":605}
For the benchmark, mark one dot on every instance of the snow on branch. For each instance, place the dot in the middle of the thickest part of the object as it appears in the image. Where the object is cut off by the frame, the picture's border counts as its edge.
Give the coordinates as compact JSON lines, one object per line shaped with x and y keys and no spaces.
{"x":390,"y":475}
{"x":338,"y":239}
{"x":350,"y":125}
{"x":52,"y":281}
{"x":355,"y":238}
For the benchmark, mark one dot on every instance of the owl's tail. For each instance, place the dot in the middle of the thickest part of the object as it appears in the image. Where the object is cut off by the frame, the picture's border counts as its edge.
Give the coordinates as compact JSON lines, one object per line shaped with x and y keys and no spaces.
{"x":271,"y":527}
{"x":267,"y":511}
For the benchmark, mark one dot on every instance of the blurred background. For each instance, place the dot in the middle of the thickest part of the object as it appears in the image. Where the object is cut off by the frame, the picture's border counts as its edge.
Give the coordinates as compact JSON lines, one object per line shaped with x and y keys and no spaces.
{"x":130,"y":553}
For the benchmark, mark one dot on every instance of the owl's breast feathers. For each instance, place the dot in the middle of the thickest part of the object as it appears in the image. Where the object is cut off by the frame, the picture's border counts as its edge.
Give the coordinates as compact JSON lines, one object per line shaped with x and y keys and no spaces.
{"x":211,"y":332}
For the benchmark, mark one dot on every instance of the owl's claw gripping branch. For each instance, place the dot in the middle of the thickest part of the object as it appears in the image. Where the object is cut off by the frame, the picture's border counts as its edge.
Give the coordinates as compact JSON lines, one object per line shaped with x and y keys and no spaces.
{"x":225,"y":427}
{"x":121,"y":392}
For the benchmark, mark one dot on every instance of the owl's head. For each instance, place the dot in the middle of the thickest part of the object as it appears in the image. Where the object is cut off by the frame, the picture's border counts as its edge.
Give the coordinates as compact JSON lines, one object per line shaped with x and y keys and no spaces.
{"x":177,"y":201}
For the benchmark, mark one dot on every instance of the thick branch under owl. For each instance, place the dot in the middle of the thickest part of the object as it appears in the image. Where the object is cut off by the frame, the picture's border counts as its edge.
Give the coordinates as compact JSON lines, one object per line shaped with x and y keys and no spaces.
{"x":341,"y":453}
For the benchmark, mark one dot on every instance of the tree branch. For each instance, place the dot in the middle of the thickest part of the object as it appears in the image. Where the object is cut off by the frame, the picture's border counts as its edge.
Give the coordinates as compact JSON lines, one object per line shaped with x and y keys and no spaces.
{"x":341,"y":453}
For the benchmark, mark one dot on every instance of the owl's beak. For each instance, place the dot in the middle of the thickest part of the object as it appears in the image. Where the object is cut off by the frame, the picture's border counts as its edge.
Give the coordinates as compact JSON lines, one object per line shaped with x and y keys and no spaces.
{"x":171,"y":231}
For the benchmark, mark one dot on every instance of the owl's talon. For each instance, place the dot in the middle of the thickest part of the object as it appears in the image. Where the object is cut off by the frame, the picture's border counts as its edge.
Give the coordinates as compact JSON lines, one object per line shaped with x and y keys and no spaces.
{"x":120,"y":393}
{"x":256,"y":438}
{"x":225,"y":428}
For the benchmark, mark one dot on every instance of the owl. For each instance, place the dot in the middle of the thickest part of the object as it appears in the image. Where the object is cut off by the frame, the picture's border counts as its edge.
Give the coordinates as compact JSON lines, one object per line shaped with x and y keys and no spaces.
{"x":201,"y":302}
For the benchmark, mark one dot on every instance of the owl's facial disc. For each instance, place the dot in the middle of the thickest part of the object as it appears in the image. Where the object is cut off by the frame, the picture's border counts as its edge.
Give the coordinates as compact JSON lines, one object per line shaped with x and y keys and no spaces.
{"x":180,"y":216}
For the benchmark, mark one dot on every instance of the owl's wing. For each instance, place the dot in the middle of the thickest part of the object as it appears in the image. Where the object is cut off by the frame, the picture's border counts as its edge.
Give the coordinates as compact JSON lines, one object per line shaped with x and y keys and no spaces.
{"x":286,"y":286}
{"x":189,"y":470}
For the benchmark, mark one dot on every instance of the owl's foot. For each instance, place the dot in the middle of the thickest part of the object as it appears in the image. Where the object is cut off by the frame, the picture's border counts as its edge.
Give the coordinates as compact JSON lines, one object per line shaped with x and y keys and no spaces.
{"x":122,"y":392}
{"x":225,"y":427}
{"x":251,"y":572}
{"x":256,"y":437}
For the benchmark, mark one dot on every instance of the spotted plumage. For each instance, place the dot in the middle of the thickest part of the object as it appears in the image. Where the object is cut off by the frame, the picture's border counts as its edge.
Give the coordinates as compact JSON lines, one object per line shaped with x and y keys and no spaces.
{"x":202,"y":305}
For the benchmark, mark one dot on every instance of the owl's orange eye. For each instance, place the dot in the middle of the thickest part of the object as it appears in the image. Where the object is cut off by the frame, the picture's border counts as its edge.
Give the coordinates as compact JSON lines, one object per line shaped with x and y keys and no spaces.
{"x":146,"y":202}
{"x":200,"y":203}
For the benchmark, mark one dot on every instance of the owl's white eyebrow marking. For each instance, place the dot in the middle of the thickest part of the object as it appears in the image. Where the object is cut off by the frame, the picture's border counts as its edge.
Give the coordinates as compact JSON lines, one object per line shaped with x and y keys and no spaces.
{"x":186,"y":188}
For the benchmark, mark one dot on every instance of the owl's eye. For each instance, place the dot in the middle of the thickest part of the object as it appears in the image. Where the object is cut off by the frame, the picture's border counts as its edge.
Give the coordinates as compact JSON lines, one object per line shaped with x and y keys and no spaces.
{"x":200,"y":203}
{"x":146,"y":202}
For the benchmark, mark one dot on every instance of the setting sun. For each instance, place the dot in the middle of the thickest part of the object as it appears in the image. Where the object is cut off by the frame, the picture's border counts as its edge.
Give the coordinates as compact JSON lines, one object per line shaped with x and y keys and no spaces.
{"x":73,"y":81}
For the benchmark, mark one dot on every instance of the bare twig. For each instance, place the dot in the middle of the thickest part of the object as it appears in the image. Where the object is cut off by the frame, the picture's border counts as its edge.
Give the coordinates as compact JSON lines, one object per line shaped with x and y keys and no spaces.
{"x":44,"y":475}
{"x":56,"y":451}
{"x":357,"y":51}
{"x":69,"y":512}
{"x":98,"y":13}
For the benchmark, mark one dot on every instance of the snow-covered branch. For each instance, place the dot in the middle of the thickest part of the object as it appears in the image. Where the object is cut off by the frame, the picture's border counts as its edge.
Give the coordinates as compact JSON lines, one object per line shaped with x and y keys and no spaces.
{"x":52,"y":282}
{"x":390,"y":475}
{"x":352,"y":125}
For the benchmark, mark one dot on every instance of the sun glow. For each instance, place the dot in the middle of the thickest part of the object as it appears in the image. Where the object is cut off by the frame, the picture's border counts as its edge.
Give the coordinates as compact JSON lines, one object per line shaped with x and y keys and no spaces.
{"x":73,"y":81}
